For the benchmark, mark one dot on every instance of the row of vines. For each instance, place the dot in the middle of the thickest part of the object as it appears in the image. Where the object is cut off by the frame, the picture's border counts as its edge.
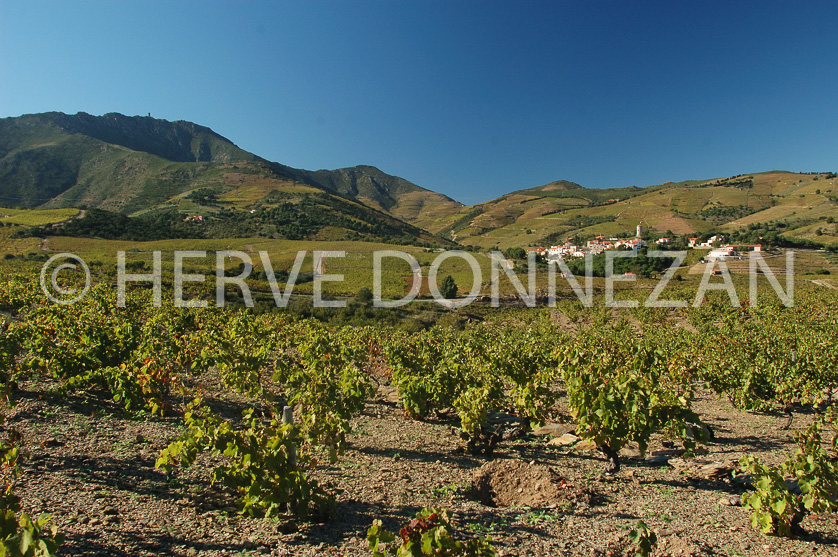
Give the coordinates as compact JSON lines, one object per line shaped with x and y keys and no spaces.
{"x":621,"y":380}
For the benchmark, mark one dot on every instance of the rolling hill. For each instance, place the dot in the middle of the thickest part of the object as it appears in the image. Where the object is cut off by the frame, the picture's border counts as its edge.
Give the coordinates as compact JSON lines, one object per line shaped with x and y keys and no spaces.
{"x":391,"y":194}
{"x":799,"y":204}
{"x":144,"y":167}
{"x":137,"y":165}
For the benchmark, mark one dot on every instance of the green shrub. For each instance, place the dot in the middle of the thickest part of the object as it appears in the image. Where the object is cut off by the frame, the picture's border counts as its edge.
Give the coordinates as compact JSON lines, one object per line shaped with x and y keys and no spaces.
{"x":429,"y":534}
{"x":261,"y":462}
{"x":777,"y":509}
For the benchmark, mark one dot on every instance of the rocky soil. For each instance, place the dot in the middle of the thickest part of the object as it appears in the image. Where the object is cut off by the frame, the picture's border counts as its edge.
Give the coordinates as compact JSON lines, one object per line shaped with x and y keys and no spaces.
{"x":92,"y":467}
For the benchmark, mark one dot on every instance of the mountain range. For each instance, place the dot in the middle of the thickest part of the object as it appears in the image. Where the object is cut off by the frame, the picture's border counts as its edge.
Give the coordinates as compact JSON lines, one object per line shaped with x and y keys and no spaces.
{"x":138,"y":166}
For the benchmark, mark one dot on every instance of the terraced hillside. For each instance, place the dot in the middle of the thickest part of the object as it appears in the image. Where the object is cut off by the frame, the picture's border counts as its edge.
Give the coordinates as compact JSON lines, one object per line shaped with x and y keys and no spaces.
{"x":800,"y":204}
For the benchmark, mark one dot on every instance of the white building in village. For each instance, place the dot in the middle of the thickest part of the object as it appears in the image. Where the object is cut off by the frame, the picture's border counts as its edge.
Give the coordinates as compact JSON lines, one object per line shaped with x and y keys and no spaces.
{"x":730,"y":251}
{"x":722,"y":253}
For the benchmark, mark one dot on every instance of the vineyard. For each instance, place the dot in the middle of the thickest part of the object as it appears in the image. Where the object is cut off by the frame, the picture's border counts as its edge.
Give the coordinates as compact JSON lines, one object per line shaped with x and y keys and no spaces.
{"x":551,"y":431}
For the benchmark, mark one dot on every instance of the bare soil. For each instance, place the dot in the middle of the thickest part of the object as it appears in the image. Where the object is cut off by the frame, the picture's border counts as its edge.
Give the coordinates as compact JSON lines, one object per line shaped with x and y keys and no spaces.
{"x":92,"y":467}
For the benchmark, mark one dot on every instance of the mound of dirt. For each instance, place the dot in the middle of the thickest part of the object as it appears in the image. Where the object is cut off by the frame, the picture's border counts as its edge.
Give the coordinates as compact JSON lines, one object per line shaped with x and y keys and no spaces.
{"x":515,"y":483}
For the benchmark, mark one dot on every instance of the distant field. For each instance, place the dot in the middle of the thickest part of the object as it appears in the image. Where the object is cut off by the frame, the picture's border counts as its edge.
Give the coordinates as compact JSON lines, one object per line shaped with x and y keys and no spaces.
{"x":356,"y":266}
{"x":828,"y":233}
{"x":805,"y":263}
{"x":16,"y":246}
{"x":36,"y":217}
{"x":250,"y":188}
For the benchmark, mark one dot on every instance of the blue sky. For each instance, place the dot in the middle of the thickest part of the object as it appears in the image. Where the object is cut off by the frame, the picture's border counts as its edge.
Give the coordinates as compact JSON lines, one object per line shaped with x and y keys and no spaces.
{"x":469,"y":99}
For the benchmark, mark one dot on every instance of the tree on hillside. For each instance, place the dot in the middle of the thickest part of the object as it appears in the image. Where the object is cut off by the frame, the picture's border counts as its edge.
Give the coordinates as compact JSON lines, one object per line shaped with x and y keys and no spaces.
{"x":203,"y":196}
{"x":516,"y":253}
{"x":364,"y":296}
{"x":448,"y":288}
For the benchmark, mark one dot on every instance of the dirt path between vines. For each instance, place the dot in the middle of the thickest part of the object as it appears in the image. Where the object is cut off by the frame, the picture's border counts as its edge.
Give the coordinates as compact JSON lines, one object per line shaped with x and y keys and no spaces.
{"x":92,"y":467}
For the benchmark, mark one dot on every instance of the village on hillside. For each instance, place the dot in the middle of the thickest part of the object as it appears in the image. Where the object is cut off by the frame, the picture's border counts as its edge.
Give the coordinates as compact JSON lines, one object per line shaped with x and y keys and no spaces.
{"x":718,"y":249}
